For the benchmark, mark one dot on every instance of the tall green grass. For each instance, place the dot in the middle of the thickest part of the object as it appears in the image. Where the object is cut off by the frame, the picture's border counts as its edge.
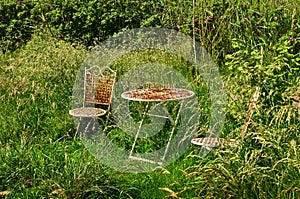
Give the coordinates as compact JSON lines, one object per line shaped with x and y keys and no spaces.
{"x":40,"y":157}
{"x":266,"y":165}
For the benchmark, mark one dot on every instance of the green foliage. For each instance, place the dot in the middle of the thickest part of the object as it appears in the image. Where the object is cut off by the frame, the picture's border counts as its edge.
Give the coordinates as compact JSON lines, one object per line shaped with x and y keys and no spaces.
{"x":256,"y":54}
{"x":256,"y":44}
{"x":16,"y":25}
{"x":265,"y":65}
{"x":87,"y":22}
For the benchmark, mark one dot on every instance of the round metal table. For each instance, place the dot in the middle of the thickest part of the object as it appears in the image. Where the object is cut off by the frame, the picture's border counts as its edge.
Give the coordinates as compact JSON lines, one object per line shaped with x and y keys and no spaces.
{"x":156,"y":95}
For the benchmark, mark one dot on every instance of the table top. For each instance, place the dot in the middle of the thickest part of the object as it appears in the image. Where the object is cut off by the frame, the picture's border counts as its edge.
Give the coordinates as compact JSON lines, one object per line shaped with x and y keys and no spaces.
{"x":157,"y":94}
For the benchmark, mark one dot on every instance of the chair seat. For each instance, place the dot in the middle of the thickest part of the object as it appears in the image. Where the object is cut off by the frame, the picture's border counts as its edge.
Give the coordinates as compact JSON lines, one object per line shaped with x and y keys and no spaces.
{"x":87,"y":112}
{"x":215,"y":142}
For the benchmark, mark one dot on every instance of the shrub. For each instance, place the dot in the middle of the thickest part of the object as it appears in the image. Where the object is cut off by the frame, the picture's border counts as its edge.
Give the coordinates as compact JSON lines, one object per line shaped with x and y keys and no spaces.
{"x":87,"y":22}
{"x":16,"y":26}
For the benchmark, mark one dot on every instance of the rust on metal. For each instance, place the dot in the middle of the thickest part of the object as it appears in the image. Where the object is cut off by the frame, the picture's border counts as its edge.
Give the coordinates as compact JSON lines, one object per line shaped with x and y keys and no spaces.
{"x":87,"y":112}
{"x":157,"y":94}
{"x":99,"y":89}
{"x":215,"y":142}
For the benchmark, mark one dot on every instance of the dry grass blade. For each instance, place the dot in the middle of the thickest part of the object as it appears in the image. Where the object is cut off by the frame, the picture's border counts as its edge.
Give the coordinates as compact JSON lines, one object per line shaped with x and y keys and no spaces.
{"x":57,"y":192}
{"x":173,"y":194}
{"x":4,"y":193}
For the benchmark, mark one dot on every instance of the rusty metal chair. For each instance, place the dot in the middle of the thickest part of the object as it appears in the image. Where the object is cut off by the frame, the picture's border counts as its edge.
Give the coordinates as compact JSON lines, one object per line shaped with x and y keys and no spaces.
{"x":210,"y":142}
{"x":215,"y":142}
{"x":98,"y":89}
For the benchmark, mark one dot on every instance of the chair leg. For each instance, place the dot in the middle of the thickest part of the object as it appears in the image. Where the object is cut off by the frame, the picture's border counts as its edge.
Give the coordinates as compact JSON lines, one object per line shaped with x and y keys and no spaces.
{"x":77,"y":129}
{"x":106,"y":121}
{"x":85,"y":127}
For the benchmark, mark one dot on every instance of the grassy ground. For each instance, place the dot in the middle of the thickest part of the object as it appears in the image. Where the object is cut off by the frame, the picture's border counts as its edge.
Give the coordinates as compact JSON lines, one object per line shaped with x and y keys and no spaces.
{"x":40,"y":157}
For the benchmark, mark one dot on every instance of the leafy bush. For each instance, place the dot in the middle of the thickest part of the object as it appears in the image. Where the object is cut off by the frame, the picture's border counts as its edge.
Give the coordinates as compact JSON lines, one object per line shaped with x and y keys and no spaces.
{"x":86,"y":22}
{"x":16,"y":26}
{"x":89,"y":22}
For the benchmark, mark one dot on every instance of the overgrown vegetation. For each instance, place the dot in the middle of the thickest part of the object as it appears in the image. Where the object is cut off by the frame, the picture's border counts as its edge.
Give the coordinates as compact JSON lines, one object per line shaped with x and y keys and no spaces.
{"x":254,"y":43}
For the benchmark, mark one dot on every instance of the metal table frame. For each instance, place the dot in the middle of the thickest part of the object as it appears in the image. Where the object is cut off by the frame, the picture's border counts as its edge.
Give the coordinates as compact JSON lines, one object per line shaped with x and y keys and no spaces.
{"x":129,"y":95}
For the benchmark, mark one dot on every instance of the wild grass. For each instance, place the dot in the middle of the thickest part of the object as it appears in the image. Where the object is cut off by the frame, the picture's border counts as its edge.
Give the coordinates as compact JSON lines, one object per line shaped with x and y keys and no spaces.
{"x":40,"y":157}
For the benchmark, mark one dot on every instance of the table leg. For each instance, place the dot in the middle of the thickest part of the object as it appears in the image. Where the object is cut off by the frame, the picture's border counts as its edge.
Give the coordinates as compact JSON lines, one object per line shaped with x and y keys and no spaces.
{"x":171,"y":134}
{"x":169,"y":141}
{"x":139,"y":130}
